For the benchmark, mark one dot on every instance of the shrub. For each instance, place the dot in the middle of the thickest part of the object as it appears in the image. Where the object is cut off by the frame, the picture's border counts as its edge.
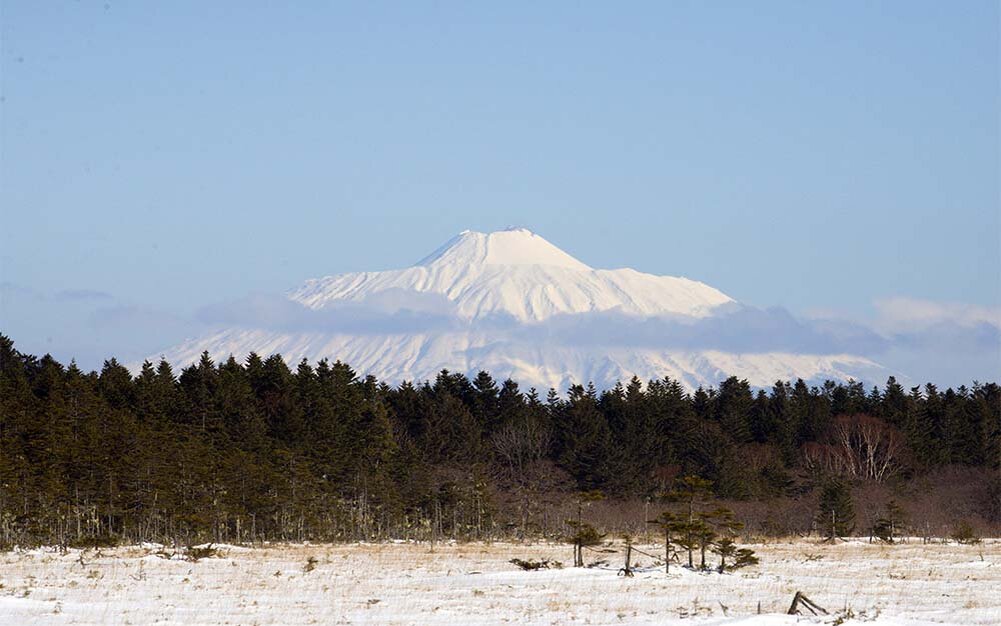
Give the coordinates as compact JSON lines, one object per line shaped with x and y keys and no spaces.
{"x":745,"y":557}
{"x":964,"y":533}
{"x":196,"y":553}
{"x":531,"y":565}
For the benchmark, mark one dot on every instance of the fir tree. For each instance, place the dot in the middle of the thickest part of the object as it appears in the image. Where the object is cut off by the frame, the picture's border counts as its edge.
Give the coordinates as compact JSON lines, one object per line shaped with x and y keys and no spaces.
{"x":890,"y":523}
{"x":584,"y":438}
{"x":836,"y":513}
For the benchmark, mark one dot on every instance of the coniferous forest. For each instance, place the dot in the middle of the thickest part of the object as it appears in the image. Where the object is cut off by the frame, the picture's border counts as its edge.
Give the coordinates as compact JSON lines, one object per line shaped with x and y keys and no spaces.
{"x":255,"y":450}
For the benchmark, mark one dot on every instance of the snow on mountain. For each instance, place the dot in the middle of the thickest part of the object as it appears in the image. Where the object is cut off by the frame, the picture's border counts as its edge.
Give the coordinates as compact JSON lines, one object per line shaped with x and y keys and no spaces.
{"x":493,"y":301}
{"x":518,"y":273}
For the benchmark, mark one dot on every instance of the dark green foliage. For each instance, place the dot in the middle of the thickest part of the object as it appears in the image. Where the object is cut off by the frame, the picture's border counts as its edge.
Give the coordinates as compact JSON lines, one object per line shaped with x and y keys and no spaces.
{"x":733,"y":408}
{"x":836,"y":512}
{"x":691,"y":530}
{"x":745,"y":557}
{"x":964,"y":533}
{"x":731,"y":557}
{"x":583,"y":438}
{"x":695,"y":527}
{"x":583,"y":534}
{"x":890,"y":524}
{"x":239,"y":451}
{"x":672,"y":526}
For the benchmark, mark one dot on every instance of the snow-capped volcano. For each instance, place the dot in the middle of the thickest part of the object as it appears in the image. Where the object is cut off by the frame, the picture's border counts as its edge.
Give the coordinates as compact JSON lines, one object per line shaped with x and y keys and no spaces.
{"x":514,"y":304}
{"x":517,"y":273}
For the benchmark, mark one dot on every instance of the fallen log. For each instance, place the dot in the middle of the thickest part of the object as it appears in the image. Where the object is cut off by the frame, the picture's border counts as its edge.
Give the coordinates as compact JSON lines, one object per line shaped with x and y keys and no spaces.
{"x":801,"y":600}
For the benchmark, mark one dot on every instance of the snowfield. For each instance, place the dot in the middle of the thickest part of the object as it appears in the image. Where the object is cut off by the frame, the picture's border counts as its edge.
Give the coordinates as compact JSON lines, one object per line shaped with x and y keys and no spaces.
{"x":406,"y":583}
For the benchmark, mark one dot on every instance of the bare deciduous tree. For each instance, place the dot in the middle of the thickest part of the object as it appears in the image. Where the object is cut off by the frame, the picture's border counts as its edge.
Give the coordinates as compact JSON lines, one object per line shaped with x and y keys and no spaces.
{"x":862,"y":448}
{"x":523,"y":446}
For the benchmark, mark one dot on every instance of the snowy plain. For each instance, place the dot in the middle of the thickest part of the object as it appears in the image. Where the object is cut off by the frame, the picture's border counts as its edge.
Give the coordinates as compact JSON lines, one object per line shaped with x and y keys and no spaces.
{"x":457,"y":584}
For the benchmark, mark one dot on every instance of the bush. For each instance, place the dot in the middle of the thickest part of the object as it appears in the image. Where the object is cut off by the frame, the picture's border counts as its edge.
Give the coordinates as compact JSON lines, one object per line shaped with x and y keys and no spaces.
{"x":745,"y":557}
{"x":964,"y":533}
{"x":531,"y":565}
{"x":195,"y":554}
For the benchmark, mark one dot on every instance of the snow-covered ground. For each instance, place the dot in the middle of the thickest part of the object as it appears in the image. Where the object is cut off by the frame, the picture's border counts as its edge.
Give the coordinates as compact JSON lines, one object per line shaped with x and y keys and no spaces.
{"x":475,"y":584}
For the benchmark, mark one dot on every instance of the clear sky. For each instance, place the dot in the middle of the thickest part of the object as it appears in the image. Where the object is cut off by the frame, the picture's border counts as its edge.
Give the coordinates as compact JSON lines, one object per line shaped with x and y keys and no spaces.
{"x":822,"y":157}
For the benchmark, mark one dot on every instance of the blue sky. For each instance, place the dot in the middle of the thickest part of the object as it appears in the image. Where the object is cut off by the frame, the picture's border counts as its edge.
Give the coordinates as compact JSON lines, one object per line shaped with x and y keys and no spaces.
{"x":828,"y":158}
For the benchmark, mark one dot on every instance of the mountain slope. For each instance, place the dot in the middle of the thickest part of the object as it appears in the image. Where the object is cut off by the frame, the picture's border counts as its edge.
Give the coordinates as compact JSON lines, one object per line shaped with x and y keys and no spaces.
{"x":421,"y":356}
{"x":512,"y":303}
{"x":516,"y":273}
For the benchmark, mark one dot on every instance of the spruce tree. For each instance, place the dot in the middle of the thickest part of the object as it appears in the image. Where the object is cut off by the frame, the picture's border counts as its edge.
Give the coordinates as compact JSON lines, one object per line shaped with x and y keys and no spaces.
{"x":585,"y":441}
{"x":890,"y":524}
{"x":732,"y":408}
{"x":836,"y":512}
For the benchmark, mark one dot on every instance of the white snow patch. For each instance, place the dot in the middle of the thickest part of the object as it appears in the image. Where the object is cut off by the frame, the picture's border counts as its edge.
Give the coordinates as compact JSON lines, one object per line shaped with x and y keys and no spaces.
{"x":407,"y":583}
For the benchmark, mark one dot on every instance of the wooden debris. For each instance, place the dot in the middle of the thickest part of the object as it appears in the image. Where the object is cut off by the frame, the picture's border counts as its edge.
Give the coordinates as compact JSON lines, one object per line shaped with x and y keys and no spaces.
{"x":531,"y":565}
{"x":799,"y":600}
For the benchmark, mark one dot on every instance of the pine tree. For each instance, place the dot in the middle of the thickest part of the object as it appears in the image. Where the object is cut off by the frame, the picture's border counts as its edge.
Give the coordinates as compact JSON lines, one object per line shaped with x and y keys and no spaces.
{"x":115,"y":385}
{"x":486,"y":401}
{"x":671,"y":412}
{"x":229,"y":451}
{"x":242,"y":422}
{"x":759,"y":419}
{"x":692,"y":492}
{"x":893,"y":407}
{"x":585,"y":441}
{"x":511,"y":404}
{"x":890,"y":523}
{"x":836,"y":513}
{"x":584,"y":534}
{"x":671,"y":525}
{"x":785,"y":424}
{"x":732,"y":408}
{"x":634,"y":430}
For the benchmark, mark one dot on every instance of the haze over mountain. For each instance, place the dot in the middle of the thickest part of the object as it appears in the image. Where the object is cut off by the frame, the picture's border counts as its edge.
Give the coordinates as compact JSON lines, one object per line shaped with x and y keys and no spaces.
{"x":513,"y":304}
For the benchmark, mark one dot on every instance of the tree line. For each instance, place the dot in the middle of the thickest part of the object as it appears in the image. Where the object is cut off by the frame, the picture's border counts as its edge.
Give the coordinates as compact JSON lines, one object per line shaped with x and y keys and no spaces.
{"x":252,"y":450}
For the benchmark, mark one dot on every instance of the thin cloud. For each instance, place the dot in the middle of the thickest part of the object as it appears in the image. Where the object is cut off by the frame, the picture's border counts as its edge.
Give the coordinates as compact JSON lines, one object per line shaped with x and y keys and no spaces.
{"x":14,"y":290}
{"x":741,"y":330}
{"x":902,"y":314}
{"x":381,"y":316}
{"x":744,"y":330}
{"x":910,"y":336}
{"x":83,"y":295}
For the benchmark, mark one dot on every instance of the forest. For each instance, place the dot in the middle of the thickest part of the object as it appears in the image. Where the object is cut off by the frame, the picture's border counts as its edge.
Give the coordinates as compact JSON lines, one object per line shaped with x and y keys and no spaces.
{"x":255,"y":450}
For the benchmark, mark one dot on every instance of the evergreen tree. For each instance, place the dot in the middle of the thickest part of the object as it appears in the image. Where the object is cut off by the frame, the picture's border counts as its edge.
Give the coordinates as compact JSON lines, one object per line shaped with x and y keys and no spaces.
{"x":893,"y":403}
{"x":693,"y":493}
{"x":760,"y":422}
{"x":584,"y":439}
{"x":671,"y":525}
{"x":486,"y":401}
{"x":890,"y":524}
{"x":231,"y":451}
{"x":836,"y":512}
{"x":732,"y":408}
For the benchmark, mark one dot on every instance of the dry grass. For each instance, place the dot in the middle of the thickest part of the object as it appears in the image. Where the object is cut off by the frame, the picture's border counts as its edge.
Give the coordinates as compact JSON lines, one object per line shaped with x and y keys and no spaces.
{"x":476,"y":584}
